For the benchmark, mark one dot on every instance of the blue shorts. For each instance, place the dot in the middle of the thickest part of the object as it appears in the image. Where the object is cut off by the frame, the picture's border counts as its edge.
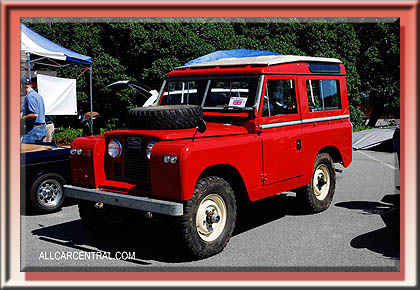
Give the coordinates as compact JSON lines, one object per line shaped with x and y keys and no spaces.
{"x":35,"y":135}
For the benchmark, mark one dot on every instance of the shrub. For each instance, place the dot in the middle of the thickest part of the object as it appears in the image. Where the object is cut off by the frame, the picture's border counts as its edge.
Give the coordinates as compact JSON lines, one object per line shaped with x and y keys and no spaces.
{"x":357,"y":118}
{"x":64,"y":137}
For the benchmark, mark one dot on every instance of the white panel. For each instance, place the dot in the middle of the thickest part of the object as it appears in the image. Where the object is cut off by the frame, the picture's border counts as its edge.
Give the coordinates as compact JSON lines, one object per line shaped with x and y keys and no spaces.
{"x":59,"y":95}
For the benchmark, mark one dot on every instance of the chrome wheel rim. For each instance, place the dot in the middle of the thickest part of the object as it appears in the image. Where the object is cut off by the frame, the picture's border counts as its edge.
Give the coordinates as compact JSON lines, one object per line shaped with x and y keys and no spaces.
{"x":211,"y":217}
{"x":49,"y":193}
{"x":321,"y":182}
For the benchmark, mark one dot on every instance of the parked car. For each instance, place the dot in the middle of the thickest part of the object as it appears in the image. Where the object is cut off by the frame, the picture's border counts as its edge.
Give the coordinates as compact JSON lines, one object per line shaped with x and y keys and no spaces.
{"x":45,"y":168}
{"x":223,"y":131}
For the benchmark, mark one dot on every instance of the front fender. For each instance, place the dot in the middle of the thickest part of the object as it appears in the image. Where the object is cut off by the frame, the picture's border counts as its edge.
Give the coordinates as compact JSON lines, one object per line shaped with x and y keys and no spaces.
{"x":177,"y":181}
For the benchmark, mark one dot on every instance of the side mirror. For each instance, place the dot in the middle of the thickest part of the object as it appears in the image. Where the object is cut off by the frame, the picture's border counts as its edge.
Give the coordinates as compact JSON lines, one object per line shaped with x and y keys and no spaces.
{"x":201,"y":127}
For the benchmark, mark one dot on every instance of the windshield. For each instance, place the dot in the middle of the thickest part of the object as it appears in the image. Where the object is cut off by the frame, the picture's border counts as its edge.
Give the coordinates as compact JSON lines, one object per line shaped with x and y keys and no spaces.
{"x":211,"y":92}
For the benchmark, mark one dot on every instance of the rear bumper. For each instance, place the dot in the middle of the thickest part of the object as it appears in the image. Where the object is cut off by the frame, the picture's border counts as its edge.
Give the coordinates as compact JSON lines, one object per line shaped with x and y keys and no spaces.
{"x":123,"y":200}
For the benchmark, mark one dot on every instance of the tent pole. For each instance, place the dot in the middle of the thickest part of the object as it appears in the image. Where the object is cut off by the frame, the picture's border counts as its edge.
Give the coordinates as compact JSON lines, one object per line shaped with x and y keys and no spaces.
{"x":91,"y":102}
{"x":28,"y":60}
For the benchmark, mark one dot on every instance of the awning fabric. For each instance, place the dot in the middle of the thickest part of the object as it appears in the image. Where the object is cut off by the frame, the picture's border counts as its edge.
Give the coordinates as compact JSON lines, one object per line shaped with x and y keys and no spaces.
{"x":233,"y":53}
{"x":34,"y":43}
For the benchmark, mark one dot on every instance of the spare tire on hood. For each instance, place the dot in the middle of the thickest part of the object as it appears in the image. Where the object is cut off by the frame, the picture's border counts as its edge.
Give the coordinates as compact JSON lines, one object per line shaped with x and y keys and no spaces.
{"x":168,"y":117}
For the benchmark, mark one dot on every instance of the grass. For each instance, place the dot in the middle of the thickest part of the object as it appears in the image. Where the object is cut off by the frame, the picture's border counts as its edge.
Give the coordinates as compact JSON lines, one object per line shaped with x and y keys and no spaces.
{"x":361,"y":128}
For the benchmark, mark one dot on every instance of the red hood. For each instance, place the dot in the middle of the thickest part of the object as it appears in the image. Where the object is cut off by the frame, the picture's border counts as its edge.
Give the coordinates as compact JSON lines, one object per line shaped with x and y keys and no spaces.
{"x":213,"y":130}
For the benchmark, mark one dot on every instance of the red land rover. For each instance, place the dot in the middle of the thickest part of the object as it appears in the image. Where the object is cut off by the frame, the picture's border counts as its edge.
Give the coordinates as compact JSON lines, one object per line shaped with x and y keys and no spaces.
{"x":220,"y":132}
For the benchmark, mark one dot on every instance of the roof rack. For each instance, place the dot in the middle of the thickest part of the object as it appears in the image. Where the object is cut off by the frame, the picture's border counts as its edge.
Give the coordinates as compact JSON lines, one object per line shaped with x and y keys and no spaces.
{"x":266,"y":60}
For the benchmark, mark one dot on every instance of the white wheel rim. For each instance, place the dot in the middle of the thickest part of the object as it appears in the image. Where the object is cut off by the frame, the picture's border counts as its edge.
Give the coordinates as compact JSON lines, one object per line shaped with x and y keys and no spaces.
{"x":207,"y":228}
{"x":49,"y":193}
{"x":321,"y":182}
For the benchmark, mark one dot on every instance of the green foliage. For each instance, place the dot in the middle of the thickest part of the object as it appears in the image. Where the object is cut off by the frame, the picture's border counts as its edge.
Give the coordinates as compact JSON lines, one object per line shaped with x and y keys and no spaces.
{"x":379,"y":66}
{"x":361,"y":128}
{"x":357,"y":118}
{"x":145,"y":50}
{"x":66,"y":136}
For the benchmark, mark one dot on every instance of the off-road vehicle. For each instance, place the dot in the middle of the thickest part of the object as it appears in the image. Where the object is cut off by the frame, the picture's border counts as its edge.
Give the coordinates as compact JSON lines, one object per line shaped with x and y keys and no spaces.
{"x":220,"y":132}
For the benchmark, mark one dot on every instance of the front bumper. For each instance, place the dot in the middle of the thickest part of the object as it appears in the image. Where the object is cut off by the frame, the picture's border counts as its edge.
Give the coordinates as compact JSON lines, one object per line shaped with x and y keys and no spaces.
{"x":123,"y":200}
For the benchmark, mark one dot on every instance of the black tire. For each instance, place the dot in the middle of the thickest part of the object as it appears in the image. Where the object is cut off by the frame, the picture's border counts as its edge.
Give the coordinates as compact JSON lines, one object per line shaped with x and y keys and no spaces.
{"x":47,"y":193}
{"x":168,"y":117}
{"x":106,"y":220}
{"x":209,"y":195}
{"x":318,"y":194}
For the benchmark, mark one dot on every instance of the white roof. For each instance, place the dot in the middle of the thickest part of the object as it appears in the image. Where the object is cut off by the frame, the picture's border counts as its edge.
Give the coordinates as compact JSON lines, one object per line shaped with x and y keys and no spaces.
{"x":265,"y":60}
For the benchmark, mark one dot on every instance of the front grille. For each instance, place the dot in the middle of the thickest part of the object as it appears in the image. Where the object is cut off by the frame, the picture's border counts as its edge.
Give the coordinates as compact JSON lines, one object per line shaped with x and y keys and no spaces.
{"x":117,"y":170}
{"x":136,"y":164}
{"x":133,"y":165}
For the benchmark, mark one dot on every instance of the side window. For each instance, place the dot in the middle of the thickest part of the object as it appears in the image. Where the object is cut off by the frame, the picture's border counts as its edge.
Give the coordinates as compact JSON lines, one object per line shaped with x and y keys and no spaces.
{"x":323,"y":95}
{"x":279,"y":98}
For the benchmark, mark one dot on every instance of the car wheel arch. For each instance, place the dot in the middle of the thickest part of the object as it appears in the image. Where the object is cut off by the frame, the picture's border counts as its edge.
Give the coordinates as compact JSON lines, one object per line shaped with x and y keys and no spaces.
{"x":333,"y":151}
{"x":39,"y":174}
{"x":232,"y":175}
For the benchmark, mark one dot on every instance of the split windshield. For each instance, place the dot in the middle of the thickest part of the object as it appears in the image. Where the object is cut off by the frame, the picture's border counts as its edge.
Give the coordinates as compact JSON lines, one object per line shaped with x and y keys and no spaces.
{"x":211,"y":92}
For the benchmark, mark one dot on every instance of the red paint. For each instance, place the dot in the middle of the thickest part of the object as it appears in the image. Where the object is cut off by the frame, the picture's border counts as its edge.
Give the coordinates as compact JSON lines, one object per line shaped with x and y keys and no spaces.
{"x":87,"y":169}
{"x":406,"y":11}
{"x":213,"y":130}
{"x":269,"y":160}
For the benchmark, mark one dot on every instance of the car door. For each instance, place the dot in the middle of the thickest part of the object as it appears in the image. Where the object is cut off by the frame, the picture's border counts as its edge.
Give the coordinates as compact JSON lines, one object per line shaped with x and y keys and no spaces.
{"x":281,"y":130}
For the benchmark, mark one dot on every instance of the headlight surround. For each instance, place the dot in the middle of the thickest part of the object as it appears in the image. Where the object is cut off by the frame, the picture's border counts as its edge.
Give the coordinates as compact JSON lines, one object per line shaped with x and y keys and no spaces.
{"x":114,"y":148}
{"x":149,"y":148}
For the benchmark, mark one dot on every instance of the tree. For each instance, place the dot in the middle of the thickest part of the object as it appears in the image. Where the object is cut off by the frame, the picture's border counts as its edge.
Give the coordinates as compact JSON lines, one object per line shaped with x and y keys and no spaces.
{"x":379,"y":67}
{"x":145,"y":50}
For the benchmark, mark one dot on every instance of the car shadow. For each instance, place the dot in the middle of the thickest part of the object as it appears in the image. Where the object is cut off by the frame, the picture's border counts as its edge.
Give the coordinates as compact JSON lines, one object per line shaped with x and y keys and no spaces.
{"x":254,"y":214}
{"x":150,"y":240}
{"x":386,"y":240}
{"x":26,"y":210}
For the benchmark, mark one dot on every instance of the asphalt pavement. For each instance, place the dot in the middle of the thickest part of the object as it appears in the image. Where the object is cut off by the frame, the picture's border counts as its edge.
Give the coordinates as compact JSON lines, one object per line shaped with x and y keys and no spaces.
{"x":359,"y":232}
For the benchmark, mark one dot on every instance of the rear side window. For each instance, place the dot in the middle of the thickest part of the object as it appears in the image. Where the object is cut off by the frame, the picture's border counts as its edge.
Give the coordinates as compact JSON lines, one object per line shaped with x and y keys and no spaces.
{"x":323,"y":95}
{"x":279,"y":98}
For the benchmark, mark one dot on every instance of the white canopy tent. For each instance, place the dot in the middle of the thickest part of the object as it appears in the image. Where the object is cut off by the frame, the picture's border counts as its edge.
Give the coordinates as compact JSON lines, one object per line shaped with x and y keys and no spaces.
{"x":36,"y":49}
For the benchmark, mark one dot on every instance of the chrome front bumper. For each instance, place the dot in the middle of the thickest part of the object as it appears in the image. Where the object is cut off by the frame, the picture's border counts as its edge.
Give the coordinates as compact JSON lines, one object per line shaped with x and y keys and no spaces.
{"x":123,"y":200}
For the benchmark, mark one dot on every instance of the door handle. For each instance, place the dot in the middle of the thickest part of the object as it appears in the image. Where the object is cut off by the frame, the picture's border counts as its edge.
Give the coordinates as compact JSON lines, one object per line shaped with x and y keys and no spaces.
{"x":298,"y":144}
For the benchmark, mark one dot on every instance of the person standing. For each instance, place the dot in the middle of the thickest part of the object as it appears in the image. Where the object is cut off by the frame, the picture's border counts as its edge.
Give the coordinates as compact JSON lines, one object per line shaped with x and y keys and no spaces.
{"x":33,"y":114}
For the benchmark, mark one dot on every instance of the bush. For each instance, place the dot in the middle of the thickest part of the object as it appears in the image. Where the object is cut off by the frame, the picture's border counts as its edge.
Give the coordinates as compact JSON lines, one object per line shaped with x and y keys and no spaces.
{"x":361,"y":128}
{"x":357,"y":118}
{"x":64,"y":137}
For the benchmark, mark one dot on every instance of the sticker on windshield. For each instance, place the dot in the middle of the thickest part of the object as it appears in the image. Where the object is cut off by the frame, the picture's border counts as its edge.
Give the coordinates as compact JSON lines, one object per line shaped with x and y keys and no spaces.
{"x":237,"y":102}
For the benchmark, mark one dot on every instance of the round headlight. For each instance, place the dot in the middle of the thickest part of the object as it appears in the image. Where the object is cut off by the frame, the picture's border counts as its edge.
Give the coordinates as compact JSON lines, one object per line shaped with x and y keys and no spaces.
{"x":114,"y":148}
{"x":79,"y":151}
{"x":73,"y":151}
{"x":149,"y":148}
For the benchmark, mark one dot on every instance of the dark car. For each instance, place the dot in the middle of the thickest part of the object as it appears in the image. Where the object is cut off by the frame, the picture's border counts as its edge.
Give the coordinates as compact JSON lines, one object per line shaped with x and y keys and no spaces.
{"x":45,"y":168}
